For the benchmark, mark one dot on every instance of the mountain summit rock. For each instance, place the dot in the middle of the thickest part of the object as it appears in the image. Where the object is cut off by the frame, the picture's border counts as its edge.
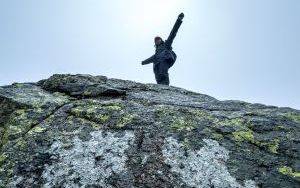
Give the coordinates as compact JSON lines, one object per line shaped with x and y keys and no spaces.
{"x":91,"y":131}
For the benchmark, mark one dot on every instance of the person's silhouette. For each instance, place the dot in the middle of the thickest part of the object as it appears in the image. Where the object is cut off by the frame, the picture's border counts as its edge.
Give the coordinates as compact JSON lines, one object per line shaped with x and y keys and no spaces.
{"x":164,"y":57}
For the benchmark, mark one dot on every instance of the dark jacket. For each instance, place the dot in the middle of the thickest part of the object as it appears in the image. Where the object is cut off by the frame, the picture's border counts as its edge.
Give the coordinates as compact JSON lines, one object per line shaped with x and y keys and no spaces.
{"x":164,"y":51}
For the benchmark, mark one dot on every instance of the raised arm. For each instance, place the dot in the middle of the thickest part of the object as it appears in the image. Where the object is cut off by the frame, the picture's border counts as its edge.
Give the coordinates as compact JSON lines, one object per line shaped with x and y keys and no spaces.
{"x":173,"y":33}
{"x":149,"y":60}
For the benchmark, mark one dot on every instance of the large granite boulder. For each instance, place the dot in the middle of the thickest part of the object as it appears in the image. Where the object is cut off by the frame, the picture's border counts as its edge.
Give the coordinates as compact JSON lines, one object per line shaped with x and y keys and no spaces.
{"x":91,"y":131}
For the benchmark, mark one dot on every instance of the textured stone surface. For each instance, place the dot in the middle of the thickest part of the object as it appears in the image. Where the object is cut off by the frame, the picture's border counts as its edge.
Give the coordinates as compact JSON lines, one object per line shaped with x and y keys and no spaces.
{"x":91,"y":131}
{"x":89,"y":162}
{"x":202,"y":168}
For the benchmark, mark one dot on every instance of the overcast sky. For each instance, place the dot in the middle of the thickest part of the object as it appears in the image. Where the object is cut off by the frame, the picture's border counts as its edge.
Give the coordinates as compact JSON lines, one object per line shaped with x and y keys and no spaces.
{"x":230,"y":49}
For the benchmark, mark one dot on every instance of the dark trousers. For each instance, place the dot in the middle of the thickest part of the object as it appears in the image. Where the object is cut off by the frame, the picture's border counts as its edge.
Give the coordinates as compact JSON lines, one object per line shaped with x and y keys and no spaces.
{"x":161,"y":72}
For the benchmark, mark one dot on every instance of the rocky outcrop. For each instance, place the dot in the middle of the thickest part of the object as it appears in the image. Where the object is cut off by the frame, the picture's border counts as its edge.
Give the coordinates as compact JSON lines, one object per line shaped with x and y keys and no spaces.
{"x":91,"y":131}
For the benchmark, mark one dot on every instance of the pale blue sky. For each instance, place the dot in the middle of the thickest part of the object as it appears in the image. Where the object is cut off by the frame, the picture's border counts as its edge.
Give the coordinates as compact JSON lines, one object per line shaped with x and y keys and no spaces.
{"x":230,"y":49}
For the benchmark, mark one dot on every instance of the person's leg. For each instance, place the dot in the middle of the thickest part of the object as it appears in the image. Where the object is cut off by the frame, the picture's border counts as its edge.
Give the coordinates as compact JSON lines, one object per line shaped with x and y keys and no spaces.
{"x":163,"y":75}
{"x":155,"y":70}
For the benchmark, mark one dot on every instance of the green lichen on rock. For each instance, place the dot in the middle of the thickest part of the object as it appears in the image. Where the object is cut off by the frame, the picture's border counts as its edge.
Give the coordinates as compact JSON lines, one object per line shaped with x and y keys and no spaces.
{"x":243,"y":136}
{"x":203,"y":115}
{"x":20,"y":122}
{"x":217,"y":136}
{"x":182,"y":119}
{"x":89,"y":112}
{"x":211,"y":133}
{"x":247,"y":136}
{"x":164,"y":112}
{"x":31,"y":106}
{"x":235,"y":122}
{"x":273,"y":145}
{"x":37,"y":130}
{"x":94,"y":110}
{"x":178,"y":123}
{"x":125,"y":119}
{"x":6,"y":167}
{"x":3,"y":157}
{"x":182,"y":124}
{"x":69,"y":130}
{"x":270,"y":146}
{"x":289,"y":172}
{"x":110,"y":112}
{"x":20,"y":144}
{"x":293,"y":117}
{"x":71,"y":120}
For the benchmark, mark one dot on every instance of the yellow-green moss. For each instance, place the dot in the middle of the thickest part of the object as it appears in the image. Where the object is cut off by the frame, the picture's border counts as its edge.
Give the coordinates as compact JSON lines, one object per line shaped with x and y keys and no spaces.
{"x":235,"y":122}
{"x":90,"y":112}
{"x":112,"y":103}
{"x":247,"y":136}
{"x":3,"y":157}
{"x":243,"y":136}
{"x":273,"y":146}
{"x":114,"y":107}
{"x":20,"y":122}
{"x":73,"y":119}
{"x":212,"y":134}
{"x":102,"y":118}
{"x":293,"y":117}
{"x":76,"y":111}
{"x":165,"y":111}
{"x":202,"y":114}
{"x":15,"y":130}
{"x":38,"y":110}
{"x":95,"y":110}
{"x":37,"y":130}
{"x":288,"y":171}
{"x":169,"y":115}
{"x":217,"y":136}
{"x":182,"y":124}
{"x":20,"y":144}
{"x":3,"y":140}
{"x":103,"y":112}
{"x":125,"y":120}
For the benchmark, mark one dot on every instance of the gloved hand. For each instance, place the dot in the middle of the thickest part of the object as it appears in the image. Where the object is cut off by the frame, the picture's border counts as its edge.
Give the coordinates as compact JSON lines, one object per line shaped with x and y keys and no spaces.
{"x":143,"y":63}
{"x":180,"y":16}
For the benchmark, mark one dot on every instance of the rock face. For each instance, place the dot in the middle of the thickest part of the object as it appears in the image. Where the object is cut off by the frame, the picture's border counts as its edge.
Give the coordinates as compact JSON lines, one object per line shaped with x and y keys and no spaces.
{"x":90,"y":131}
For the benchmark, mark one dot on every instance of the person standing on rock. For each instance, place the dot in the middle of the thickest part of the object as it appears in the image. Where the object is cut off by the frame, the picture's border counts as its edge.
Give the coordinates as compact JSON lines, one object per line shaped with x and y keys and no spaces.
{"x":164,"y":57}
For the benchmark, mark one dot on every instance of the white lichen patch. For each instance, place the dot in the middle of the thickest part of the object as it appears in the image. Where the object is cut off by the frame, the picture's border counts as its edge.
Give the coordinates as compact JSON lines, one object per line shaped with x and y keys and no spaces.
{"x":203,"y":168}
{"x":88,"y":162}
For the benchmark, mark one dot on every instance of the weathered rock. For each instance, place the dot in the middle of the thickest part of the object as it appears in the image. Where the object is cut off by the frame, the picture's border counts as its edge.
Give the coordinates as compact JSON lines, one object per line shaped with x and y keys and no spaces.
{"x":90,"y":131}
{"x":80,"y":85}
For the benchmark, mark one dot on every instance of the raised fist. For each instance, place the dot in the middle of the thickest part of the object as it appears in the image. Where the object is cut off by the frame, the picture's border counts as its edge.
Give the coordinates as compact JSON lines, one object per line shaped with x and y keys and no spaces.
{"x":180,"y":16}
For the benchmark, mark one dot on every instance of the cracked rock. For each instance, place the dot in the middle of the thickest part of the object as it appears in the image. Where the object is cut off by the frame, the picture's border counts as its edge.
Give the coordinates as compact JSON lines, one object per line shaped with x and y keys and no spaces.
{"x":92,"y":131}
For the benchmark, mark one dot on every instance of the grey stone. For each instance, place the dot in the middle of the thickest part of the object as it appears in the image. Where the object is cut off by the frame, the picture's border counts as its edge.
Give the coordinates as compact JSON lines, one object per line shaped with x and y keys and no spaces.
{"x":94,"y":131}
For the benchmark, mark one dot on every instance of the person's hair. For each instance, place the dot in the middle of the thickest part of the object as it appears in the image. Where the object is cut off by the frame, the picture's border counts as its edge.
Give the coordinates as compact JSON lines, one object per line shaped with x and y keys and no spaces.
{"x":157,"y":37}
{"x":162,"y":41}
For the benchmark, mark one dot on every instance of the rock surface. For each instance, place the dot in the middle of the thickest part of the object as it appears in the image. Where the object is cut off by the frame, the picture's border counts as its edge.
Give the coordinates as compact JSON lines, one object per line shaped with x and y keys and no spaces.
{"x":91,"y":131}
